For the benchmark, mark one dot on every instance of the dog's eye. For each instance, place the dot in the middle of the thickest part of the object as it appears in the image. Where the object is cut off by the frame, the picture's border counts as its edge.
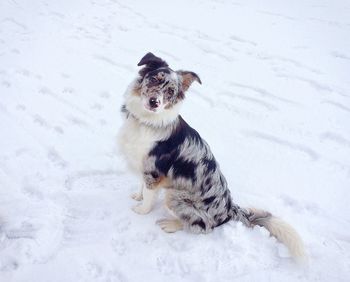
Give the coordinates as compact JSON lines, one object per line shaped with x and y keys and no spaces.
{"x":153,"y":79}
{"x":171,"y":91}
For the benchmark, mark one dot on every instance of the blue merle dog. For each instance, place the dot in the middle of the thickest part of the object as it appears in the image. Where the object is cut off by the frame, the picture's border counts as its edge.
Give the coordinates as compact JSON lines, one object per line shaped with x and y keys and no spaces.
{"x":165,"y":152}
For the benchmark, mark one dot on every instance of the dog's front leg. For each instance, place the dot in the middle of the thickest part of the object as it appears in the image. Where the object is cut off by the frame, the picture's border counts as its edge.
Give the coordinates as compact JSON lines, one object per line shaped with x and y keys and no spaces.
{"x":149,"y":197}
{"x":138,"y":196}
{"x":151,"y":179}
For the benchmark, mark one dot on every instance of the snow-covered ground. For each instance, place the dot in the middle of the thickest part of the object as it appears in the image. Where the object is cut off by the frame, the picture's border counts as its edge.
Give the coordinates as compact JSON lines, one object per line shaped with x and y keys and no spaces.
{"x":274,"y":106}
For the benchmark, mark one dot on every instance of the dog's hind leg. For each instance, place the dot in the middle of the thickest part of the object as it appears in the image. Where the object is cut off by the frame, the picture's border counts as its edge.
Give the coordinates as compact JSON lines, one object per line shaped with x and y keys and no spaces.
{"x":170,"y":225}
{"x":187,"y":215}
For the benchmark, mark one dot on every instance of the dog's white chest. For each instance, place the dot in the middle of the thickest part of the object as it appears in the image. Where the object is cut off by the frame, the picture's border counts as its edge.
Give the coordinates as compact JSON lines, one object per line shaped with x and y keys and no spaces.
{"x":135,"y":142}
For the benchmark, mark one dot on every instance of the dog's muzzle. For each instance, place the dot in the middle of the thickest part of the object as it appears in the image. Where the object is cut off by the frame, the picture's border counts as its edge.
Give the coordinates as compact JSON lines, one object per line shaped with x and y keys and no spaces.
{"x":154,"y":103}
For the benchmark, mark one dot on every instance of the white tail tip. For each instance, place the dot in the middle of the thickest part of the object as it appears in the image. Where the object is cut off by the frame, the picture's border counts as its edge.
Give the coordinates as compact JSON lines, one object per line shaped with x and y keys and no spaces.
{"x":283,"y":232}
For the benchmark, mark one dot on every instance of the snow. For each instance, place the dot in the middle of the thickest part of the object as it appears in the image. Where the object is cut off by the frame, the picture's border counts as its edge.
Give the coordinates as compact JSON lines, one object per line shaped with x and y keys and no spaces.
{"x":274,"y":107}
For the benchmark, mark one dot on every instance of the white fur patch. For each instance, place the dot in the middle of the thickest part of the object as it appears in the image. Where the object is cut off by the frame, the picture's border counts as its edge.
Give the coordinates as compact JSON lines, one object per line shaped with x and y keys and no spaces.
{"x":135,"y":141}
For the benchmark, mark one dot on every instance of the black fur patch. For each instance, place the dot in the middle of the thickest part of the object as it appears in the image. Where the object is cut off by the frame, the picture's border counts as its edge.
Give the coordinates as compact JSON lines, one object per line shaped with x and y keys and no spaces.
{"x":156,"y":71}
{"x":206,"y":186}
{"x":235,"y":211}
{"x":209,"y":200}
{"x":223,"y":181}
{"x":200,"y":223}
{"x":189,"y":202}
{"x":228,"y":204}
{"x":185,"y":217}
{"x":163,"y":163}
{"x":210,"y":165}
{"x":165,"y":84}
{"x":168,"y":150}
{"x":221,"y":222}
{"x":152,"y":63}
{"x":183,"y":168}
{"x":207,"y":181}
{"x":180,"y":95}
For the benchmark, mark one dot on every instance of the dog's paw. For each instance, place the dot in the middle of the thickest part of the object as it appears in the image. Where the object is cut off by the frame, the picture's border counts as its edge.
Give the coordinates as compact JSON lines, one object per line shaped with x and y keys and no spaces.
{"x":137,"y":196}
{"x":141,"y":209}
{"x":170,"y":225}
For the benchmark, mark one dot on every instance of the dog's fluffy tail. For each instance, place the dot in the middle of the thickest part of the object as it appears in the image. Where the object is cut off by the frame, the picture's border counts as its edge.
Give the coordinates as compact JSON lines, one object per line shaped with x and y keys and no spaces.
{"x":278,"y":228}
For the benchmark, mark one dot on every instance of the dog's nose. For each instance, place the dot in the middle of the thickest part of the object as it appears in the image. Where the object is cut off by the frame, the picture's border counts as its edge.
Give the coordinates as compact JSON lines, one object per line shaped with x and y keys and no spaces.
{"x":154,"y":102}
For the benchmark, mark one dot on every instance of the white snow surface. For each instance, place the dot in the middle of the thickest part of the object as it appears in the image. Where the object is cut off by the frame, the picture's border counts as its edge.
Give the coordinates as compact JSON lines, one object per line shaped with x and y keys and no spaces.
{"x":274,"y":107}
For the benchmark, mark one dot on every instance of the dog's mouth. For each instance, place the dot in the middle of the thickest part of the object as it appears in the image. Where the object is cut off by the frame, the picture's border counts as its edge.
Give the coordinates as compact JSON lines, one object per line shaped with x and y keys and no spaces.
{"x":149,"y":109}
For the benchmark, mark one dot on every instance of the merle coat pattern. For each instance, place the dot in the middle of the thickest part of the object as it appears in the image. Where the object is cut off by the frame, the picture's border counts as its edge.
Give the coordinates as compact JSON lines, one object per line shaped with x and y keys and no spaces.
{"x":167,"y":153}
{"x":198,"y":193}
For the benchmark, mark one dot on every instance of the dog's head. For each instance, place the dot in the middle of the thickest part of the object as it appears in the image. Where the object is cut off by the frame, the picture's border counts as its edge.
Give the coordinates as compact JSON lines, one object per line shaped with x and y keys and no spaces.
{"x":159,"y":90}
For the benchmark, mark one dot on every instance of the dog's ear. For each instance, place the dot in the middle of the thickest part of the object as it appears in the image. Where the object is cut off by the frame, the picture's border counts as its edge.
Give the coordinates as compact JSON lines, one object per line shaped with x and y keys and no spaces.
{"x":187,"y":77}
{"x":152,"y":62}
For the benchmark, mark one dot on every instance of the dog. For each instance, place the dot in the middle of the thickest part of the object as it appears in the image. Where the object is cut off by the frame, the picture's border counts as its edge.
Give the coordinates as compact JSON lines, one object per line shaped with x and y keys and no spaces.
{"x":165,"y":152}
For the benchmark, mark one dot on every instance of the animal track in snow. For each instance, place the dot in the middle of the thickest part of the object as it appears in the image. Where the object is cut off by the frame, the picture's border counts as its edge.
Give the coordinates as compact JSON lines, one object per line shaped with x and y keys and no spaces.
{"x":47,"y":91}
{"x":105,"y":95}
{"x":68,"y":90}
{"x":21,"y":107}
{"x":119,"y":246}
{"x":293,"y":62}
{"x":6,"y":83}
{"x":78,"y":121}
{"x":24,"y":72}
{"x":14,"y":23}
{"x":330,"y":22}
{"x":33,"y":192}
{"x":277,"y":15}
{"x":169,"y":264}
{"x":242,"y":40}
{"x":57,"y":14}
{"x":65,"y":75}
{"x":94,"y":269}
{"x":58,"y":129}
{"x":283,"y":143}
{"x":262,"y":92}
{"x":336,"y":138}
{"x":8,"y":263}
{"x":15,"y":51}
{"x":55,"y":158}
{"x":94,"y":179}
{"x":165,"y":264}
{"x":340,"y":55}
{"x":254,"y":101}
{"x":97,"y":107}
{"x":298,"y":206}
{"x":26,"y":231}
{"x":111,"y":62}
{"x":319,"y":86}
{"x":122,"y":225}
{"x":41,"y":121}
{"x":337,"y":105}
